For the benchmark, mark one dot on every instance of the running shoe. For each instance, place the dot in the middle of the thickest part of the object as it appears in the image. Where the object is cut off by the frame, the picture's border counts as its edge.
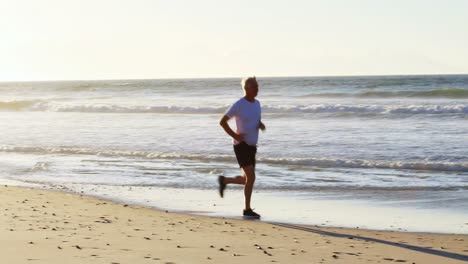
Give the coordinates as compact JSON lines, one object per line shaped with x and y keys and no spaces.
{"x":222,"y":185}
{"x":250,"y":214}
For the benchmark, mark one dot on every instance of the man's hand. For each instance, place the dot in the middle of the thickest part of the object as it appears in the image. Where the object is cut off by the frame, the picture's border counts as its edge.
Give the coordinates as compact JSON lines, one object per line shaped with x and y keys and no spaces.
{"x":261,"y":126}
{"x":229,"y":131}
{"x":239,"y":137}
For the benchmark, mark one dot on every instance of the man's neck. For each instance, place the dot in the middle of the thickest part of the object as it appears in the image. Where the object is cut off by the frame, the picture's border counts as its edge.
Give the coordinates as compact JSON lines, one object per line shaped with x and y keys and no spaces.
{"x":250,"y":99}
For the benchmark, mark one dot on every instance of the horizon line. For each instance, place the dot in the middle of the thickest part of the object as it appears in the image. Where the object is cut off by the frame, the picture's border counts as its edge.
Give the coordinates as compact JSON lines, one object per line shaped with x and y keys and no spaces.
{"x":235,"y":77}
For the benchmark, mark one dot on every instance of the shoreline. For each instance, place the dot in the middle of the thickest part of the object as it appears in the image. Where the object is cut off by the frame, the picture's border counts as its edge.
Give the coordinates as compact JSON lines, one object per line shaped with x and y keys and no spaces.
{"x":47,"y":226}
{"x":384,"y":212}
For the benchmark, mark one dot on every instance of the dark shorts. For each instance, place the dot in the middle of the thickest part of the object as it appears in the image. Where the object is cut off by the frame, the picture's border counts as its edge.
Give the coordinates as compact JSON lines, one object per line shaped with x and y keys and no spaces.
{"x":245,"y":154}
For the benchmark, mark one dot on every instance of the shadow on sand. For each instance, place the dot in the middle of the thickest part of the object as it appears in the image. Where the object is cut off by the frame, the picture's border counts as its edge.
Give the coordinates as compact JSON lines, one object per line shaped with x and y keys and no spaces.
{"x":369,"y":239}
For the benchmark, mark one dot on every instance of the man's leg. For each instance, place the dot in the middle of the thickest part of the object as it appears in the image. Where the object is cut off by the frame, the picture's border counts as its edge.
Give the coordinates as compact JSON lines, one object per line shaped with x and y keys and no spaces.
{"x":247,"y":179}
{"x":235,"y":180}
{"x":223,"y":181}
{"x":249,"y":174}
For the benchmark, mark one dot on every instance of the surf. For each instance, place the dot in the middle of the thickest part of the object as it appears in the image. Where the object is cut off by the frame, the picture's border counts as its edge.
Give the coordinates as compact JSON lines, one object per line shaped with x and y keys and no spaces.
{"x":84,"y":107}
{"x":451,"y":93}
{"x":286,"y":161}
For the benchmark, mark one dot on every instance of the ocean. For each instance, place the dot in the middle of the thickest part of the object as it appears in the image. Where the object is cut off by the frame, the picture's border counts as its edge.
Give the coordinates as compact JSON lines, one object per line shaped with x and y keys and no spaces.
{"x":363,"y":143}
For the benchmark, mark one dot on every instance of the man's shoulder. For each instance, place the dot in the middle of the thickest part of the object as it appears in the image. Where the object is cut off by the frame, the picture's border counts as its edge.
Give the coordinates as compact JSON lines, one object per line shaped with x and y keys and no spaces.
{"x":239,"y":101}
{"x":243,"y":102}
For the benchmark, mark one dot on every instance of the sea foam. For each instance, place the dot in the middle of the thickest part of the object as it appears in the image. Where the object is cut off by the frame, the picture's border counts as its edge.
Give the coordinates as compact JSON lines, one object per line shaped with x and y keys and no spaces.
{"x":413,"y":109}
{"x":287,"y":161}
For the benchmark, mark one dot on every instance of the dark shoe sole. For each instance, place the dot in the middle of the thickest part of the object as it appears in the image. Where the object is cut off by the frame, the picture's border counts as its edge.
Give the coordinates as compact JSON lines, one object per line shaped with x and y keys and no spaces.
{"x":251,"y":217}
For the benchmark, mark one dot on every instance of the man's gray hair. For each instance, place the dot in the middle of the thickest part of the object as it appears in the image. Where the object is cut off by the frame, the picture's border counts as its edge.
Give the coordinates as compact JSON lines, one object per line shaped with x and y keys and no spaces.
{"x":248,"y":81}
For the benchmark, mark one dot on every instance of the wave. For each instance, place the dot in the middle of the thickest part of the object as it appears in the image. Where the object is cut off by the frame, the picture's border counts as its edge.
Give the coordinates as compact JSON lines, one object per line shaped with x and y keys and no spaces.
{"x":47,"y":106}
{"x":197,"y":184}
{"x":371,"y":164}
{"x":372,"y":109}
{"x":455,"y":93}
{"x":308,"y":162}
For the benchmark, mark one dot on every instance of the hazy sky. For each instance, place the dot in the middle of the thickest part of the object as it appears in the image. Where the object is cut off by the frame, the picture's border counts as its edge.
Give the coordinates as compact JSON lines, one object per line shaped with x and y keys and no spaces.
{"x":118,"y":39}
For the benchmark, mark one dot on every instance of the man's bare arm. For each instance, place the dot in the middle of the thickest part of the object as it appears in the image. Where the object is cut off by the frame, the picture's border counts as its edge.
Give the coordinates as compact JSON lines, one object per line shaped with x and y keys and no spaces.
{"x":224,"y":123}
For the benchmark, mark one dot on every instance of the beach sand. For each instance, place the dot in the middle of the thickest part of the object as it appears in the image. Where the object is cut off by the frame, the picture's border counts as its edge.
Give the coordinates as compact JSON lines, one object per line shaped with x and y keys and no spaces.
{"x":43,"y":226}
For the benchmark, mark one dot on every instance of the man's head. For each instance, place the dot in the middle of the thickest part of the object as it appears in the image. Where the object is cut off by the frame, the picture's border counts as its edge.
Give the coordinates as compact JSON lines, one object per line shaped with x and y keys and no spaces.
{"x":250,"y":86}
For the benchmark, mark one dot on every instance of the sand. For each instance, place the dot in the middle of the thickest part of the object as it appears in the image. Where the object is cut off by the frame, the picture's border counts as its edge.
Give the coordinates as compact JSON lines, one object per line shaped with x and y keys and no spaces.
{"x":43,"y":226}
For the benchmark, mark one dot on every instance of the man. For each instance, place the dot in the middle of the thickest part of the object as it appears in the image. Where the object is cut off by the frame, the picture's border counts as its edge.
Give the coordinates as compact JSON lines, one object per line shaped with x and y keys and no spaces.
{"x":247,"y":113}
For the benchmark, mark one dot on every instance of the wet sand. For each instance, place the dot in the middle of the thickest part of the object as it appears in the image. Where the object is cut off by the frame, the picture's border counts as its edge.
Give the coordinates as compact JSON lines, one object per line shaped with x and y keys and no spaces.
{"x":41,"y":226}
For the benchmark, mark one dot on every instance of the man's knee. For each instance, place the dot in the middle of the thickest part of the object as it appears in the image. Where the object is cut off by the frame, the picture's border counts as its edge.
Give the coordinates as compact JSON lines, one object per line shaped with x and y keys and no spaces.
{"x":249,"y":173}
{"x":241,"y":179}
{"x":250,"y":181}
{"x":248,"y":170}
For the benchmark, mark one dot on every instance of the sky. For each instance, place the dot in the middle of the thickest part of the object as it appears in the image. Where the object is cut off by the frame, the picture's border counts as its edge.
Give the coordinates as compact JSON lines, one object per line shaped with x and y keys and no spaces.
{"x":133,"y":39}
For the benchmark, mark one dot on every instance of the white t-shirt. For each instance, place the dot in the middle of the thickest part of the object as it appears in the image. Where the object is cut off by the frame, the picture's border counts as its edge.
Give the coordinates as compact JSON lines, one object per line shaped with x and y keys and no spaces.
{"x":247,"y":115}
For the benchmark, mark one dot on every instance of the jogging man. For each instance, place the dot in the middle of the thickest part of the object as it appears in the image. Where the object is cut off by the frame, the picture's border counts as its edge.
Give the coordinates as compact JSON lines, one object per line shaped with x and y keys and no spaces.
{"x":247,"y":113}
